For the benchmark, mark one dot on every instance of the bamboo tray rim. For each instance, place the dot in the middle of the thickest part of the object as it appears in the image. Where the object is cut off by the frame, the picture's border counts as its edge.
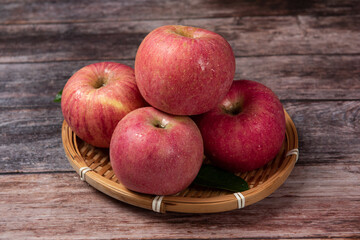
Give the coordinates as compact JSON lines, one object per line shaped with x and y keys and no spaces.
{"x":175,"y":203}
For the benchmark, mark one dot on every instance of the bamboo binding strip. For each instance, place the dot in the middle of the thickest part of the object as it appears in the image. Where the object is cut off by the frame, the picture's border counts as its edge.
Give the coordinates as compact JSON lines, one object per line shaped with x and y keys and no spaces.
{"x":94,"y":167}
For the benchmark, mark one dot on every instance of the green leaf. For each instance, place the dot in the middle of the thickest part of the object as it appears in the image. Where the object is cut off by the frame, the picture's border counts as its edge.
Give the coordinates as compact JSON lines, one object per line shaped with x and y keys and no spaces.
{"x":58,"y":96}
{"x":211,"y":176}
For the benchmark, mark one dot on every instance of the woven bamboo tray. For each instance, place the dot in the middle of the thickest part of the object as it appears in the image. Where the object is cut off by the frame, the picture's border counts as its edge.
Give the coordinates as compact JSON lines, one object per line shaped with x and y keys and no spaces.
{"x":94,"y":167}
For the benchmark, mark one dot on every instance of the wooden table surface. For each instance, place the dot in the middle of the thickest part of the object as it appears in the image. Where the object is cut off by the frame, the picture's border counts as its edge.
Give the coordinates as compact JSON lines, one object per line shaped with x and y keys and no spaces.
{"x":308,"y":52}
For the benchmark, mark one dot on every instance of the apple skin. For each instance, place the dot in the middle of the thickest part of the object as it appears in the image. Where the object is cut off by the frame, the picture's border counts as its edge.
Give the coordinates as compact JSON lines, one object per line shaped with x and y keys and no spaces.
{"x":97,"y":97}
{"x":184,"y":70}
{"x":156,"y":153}
{"x":246,"y":130}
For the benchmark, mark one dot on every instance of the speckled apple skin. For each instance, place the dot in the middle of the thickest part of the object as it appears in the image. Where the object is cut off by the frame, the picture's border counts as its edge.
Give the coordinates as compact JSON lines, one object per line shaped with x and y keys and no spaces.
{"x":152,"y":160}
{"x":250,"y":139}
{"x":93,"y":113}
{"x":184,"y":75}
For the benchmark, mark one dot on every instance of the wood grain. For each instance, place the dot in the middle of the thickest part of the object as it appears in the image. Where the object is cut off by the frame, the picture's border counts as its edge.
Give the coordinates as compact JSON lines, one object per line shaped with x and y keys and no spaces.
{"x":304,"y":77}
{"x":326,"y":127}
{"x":30,"y":140}
{"x":310,"y":204}
{"x":39,"y":11}
{"x":286,"y":35}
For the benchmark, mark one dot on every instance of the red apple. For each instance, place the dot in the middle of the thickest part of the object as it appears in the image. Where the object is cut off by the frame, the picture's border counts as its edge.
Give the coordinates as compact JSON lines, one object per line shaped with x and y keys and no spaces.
{"x":156,"y":153}
{"x":97,"y":97}
{"x":246,"y":130}
{"x":184,"y":70}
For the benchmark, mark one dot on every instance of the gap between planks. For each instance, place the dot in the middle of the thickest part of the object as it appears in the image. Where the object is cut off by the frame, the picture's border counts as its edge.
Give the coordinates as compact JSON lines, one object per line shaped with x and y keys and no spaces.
{"x":133,"y":59}
{"x":178,"y":19}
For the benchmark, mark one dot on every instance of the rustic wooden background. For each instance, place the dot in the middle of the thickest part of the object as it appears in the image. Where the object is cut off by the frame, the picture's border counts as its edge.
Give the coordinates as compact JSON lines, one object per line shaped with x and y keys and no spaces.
{"x":308,"y":52}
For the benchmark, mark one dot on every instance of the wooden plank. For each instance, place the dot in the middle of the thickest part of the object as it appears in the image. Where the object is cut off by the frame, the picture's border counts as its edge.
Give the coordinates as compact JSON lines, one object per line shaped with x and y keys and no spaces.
{"x":290,"y":77}
{"x":249,"y":36}
{"x":315,"y":202}
{"x":39,"y":11}
{"x":304,"y":77}
{"x":30,"y":139}
{"x":327,"y":127}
